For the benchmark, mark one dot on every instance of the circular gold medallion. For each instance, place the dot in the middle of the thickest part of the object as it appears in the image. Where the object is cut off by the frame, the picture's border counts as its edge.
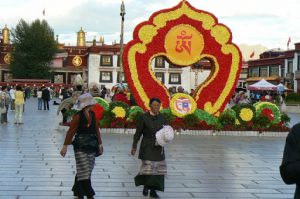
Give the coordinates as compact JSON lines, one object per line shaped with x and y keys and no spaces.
{"x":184,"y":44}
{"x":7,"y":58}
{"x":77,"y":61}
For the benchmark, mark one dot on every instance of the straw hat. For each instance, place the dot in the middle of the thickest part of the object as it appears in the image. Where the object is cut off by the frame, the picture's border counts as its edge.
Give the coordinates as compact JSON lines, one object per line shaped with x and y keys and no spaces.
{"x":164,"y":135}
{"x":85,"y":100}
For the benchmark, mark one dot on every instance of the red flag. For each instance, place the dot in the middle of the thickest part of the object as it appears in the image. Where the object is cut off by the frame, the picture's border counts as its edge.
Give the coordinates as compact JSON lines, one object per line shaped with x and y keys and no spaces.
{"x":252,"y":54}
{"x":44,"y":12}
{"x":289,"y":41}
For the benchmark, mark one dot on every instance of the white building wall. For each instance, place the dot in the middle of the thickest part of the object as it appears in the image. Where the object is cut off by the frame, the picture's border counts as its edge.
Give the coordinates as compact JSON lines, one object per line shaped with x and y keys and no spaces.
{"x":93,"y":68}
{"x":294,"y":71}
{"x":187,"y":75}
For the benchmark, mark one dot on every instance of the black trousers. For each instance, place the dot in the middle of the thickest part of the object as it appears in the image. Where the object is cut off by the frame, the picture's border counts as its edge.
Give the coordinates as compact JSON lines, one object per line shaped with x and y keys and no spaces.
{"x":46,"y":104}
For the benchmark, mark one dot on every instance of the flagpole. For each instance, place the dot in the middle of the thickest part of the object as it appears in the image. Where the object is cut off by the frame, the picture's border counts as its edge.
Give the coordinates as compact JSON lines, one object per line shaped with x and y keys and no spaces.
{"x":122,"y":14}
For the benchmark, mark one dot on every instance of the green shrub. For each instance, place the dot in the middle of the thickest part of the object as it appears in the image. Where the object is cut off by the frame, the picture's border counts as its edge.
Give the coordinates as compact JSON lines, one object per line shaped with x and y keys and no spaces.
{"x":227,"y":118}
{"x":294,"y":97}
{"x":168,"y":115}
{"x":285,"y":119}
{"x":191,"y":120}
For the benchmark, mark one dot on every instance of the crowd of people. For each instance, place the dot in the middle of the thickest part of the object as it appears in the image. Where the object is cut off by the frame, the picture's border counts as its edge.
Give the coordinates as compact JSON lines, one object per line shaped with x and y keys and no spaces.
{"x":14,"y":97}
{"x":241,"y":97}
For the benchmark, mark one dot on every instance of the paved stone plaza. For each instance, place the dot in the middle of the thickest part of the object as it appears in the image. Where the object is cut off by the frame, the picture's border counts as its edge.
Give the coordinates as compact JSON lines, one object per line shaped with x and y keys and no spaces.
{"x":198,"y":166}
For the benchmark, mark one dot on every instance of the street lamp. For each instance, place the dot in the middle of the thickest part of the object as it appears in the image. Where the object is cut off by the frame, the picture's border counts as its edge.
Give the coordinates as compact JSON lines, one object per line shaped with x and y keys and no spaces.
{"x":122,"y":14}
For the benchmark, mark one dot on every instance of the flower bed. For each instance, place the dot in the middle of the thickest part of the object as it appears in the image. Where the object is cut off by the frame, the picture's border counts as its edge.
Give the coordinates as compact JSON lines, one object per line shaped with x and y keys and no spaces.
{"x":260,"y":117}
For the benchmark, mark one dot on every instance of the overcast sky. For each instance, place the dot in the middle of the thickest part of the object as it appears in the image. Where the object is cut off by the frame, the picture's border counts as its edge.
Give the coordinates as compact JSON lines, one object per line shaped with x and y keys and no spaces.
{"x":266,"y":22}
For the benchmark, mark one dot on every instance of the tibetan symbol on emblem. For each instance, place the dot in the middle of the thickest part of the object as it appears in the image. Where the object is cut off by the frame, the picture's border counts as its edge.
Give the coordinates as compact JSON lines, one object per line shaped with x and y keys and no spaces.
{"x":182,"y":104}
{"x":7,"y":58}
{"x":77,"y":61}
{"x":184,"y":42}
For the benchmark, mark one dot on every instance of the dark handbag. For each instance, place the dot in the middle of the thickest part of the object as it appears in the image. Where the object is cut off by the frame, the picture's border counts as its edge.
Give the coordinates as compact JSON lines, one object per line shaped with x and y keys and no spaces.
{"x":86,"y":143}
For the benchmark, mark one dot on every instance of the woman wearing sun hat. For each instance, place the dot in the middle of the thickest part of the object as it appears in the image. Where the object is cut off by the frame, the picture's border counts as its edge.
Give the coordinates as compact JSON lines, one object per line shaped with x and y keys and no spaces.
{"x":87,"y":145}
{"x":152,"y":155}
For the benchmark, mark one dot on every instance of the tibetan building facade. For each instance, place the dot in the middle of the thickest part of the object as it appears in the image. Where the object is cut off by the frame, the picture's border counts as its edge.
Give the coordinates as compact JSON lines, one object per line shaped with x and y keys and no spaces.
{"x":99,"y":63}
{"x":277,"y":66}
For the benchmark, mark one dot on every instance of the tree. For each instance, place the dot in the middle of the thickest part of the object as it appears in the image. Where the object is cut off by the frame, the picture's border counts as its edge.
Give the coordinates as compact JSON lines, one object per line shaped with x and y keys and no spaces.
{"x":33,"y":51}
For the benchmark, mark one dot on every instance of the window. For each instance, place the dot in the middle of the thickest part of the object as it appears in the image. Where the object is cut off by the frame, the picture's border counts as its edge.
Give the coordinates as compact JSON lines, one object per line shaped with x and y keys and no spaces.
{"x":160,"y":77}
{"x":174,"y":78}
{"x":263,"y":72}
{"x":282,"y":71}
{"x":298,"y":64}
{"x":274,"y":71}
{"x":106,"y":76}
{"x":159,"y":62}
{"x":290,"y":66}
{"x":106,"y":60}
{"x":254,"y":72}
{"x":123,"y":78}
{"x":7,"y":77}
{"x":59,"y":79}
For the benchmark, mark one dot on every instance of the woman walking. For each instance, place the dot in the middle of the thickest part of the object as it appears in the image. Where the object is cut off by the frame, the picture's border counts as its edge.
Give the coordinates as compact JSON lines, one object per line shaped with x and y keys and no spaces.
{"x":153,"y":168}
{"x":19,"y":102}
{"x":87,"y":145}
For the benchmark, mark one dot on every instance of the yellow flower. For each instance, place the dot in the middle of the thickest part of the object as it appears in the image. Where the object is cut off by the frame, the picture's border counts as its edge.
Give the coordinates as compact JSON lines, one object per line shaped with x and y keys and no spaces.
{"x":246,"y":114}
{"x":119,"y":112}
{"x":237,"y":122}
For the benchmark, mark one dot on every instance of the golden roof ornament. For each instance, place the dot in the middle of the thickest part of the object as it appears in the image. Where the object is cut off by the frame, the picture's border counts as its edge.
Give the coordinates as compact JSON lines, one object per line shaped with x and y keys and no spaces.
{"x":81,"y":38}
{"x":5,"y":33}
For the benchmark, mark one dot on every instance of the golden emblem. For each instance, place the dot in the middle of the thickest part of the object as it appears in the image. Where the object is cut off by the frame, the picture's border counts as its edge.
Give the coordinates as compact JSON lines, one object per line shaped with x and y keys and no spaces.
{"x":7,"y":58}
{"x":77,"y":61}
{"x":184,"y":45}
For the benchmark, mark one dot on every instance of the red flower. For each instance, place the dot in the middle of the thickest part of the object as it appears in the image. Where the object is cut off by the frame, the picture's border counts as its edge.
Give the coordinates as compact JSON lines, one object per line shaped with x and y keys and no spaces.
{"x":177,"y":123}
{"x":269,"y":113}
{"x":98,"y":110}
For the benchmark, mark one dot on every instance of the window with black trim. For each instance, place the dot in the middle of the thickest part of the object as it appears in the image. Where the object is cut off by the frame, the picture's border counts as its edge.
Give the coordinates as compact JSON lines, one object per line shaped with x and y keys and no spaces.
{"x":174,"y":78}
{"x":106,"y":76}
{"x":290,"y":66}
{"x":160,"y":77}
{"x":263,"y":71}
{"x":106,"y":60}
{"x":254,"y":72}
{"x":159,"y":62}
{"x":274,"y":71}
{"x":123,"y":78}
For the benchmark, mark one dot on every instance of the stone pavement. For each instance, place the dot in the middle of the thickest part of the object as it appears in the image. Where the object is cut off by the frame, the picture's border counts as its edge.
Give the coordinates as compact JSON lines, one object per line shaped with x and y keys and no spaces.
{"x":198,"y":166}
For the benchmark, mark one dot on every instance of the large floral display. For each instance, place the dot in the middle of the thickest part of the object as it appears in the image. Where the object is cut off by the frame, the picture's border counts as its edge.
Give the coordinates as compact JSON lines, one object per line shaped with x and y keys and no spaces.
{"x":183,"y":35}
